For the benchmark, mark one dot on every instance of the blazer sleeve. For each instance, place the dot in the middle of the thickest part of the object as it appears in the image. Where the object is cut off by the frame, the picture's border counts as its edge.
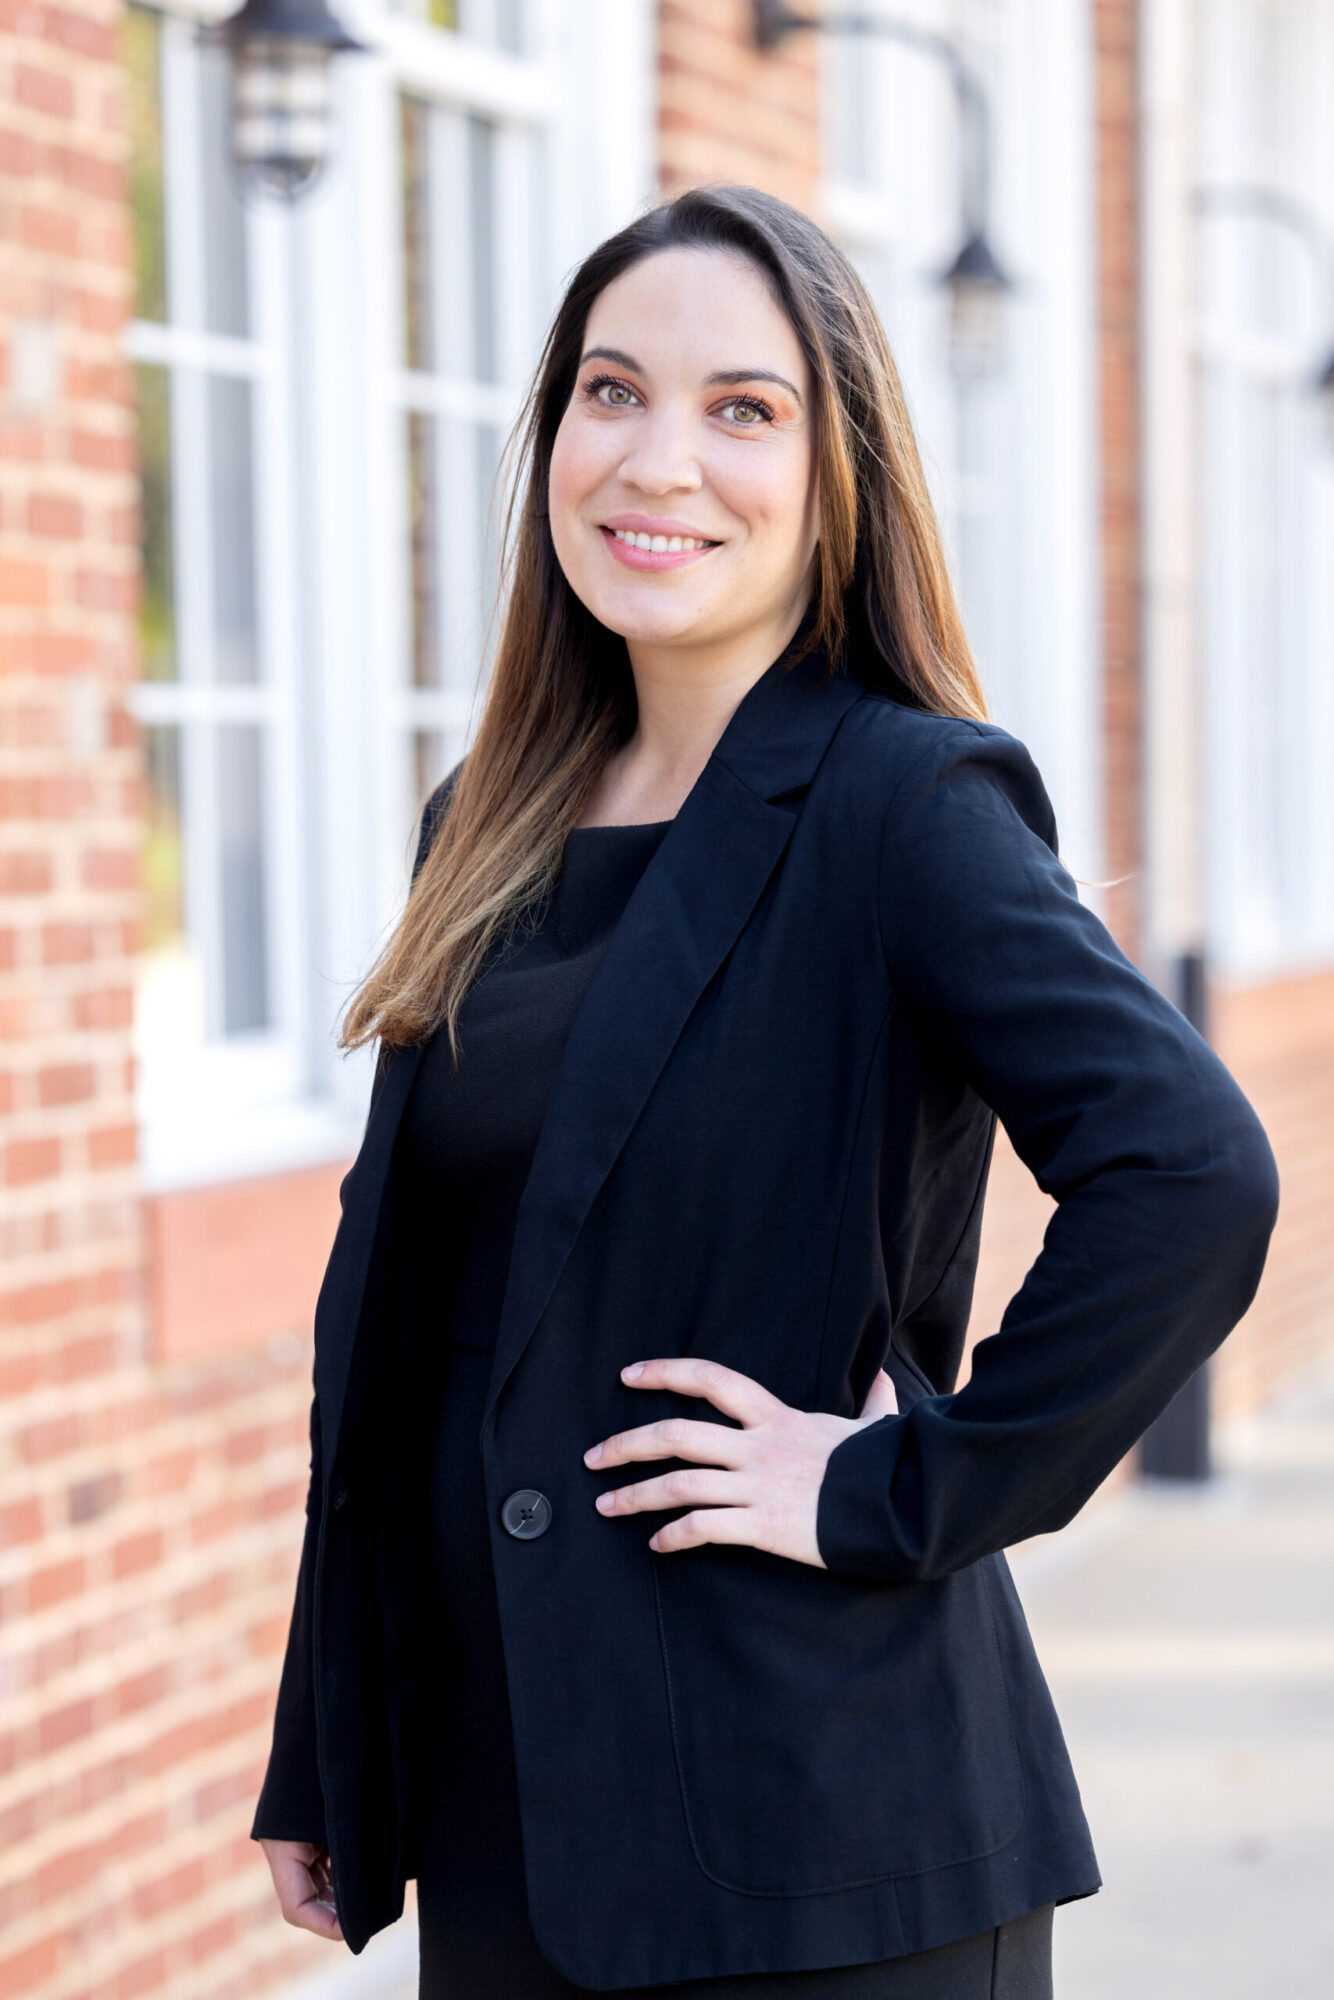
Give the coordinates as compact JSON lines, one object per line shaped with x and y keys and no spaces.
{"x":1165,"y":1184}
{"x":291,"y":1800}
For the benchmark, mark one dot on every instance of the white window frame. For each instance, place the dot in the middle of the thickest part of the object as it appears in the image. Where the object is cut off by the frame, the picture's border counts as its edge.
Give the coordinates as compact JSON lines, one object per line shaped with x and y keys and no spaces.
{"x":1033,"y":612}
{"x":188,"y":1092}
{"x":345,"y":807}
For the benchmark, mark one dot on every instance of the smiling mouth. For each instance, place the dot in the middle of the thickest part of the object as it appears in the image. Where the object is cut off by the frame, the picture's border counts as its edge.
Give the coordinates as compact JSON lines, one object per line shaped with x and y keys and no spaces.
{"x":659,"y":545}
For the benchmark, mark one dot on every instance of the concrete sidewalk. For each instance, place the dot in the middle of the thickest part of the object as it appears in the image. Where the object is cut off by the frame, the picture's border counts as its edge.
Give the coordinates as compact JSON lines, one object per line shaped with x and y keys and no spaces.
{"x":1188,"y":1637}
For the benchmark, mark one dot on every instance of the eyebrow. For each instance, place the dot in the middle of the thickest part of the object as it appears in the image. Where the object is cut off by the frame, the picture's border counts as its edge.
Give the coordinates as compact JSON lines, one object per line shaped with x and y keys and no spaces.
{"x":725,"y":378}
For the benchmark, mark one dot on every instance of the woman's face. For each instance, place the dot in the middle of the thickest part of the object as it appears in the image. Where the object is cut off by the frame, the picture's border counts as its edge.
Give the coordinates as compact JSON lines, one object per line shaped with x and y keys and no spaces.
{"x":683,"y":485}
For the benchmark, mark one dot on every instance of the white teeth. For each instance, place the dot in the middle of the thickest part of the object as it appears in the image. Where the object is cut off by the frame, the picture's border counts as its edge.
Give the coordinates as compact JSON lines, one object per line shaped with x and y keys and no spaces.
{"x":659,"y":544}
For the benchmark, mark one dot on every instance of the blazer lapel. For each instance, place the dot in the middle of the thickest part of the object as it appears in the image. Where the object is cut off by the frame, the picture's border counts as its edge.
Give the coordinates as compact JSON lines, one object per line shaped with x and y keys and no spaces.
{"x":683,"y":918}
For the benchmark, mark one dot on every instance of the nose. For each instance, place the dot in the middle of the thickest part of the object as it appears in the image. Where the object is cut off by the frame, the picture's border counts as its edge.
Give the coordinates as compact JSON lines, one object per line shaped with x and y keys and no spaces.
{"x":663,"y":457}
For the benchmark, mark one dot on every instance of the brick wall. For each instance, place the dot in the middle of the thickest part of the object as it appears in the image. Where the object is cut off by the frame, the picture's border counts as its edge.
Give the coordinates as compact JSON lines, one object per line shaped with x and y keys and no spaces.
{"x":727,"y":113}
{"x":1116,"y":84}
{"x":149,"y":1513}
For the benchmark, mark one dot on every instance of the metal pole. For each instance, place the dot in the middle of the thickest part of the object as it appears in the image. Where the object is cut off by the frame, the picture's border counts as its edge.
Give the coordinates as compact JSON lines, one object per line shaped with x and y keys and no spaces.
{"x":1177,"y":1445}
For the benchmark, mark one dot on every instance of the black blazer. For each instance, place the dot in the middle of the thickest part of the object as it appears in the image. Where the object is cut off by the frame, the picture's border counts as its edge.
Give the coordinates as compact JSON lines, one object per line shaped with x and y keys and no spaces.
{"x":767,"y":1143}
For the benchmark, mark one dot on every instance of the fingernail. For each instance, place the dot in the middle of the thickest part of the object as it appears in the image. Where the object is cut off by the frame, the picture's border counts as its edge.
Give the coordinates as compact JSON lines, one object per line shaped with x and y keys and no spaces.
{"x":604,"y":1503}
{"x":593,"y":1454}
{"x":653,"y":1541}
{"x":635,"y":1370}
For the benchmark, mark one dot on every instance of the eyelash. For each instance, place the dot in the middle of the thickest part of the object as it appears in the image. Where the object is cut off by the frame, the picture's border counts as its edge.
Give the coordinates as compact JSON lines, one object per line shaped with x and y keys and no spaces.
{"x":598,"y":382}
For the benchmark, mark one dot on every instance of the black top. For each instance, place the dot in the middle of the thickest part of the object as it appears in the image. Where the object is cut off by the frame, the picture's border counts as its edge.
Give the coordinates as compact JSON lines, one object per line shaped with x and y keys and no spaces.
{"x":468,"y":1137}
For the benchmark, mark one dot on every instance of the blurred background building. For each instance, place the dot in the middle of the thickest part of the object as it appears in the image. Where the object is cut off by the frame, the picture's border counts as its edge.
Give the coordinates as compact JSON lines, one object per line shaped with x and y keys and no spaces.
{"x":247,"y":536}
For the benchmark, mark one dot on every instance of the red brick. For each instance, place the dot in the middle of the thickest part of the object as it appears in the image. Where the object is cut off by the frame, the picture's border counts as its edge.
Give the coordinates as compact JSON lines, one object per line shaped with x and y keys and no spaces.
{"x":66,"y":1083}
{"x":68,"y":944}
{"x":43,"y":89}
{"x":137,"y":1553}
{"x":53,"y":1585}
{"x":20,"y":1521}
{"x":25,"y":874}
{"x":107,"y":1007}
{"x":65,"y":1725}
{"x":54,"y":515}
{"x":28,"y":1971}
{"x":27,"y":1160}
{"x":50,"y":229}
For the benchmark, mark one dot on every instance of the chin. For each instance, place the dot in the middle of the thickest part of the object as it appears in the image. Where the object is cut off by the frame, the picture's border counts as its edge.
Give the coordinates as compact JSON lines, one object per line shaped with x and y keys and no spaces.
{"x":649,"y":624}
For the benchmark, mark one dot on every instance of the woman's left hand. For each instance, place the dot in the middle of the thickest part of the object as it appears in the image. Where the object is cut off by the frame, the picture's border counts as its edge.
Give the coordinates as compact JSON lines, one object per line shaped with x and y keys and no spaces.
{"x":758,"y":1486}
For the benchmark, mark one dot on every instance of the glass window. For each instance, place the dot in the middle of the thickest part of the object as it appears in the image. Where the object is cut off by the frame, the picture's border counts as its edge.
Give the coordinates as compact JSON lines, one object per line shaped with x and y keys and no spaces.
{"x":208,"y":985}
{"x":467,"y":325}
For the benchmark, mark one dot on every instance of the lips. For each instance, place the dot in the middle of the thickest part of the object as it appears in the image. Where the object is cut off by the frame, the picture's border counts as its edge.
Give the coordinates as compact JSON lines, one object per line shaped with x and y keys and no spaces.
{"x":653,"y":559}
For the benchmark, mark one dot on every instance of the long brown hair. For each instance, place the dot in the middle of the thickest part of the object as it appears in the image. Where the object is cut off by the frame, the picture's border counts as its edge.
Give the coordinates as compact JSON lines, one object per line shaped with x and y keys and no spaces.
{"x":561,"y":697}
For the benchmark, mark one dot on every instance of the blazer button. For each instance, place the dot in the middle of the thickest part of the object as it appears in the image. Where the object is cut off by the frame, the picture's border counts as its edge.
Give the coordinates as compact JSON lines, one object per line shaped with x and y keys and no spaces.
{"x":526,"y":1514}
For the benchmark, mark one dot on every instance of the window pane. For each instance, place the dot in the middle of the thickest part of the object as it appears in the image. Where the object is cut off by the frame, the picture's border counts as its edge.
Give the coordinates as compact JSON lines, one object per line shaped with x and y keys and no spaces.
{"x":499,"y":22}
{"x":482,"y":238}
{"x":164,"y":854}
{"x":169,"y":977}
{"x":226,"y":287}
{"x":233,"y":505}
{"x":157,"y":614}
{"x":414,"y":134}
{"x":241,"y":860}
{"x":424,"y":638}
{"x":491,"y":520}
{"x":141,"y":45}
{"x":447,"y":173}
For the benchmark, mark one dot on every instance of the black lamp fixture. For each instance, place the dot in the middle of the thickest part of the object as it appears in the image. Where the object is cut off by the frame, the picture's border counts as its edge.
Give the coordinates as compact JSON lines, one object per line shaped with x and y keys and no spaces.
{"x":282,"y":125}
{"x":1310,"y":228}
{"x":1323,"y":385}
{"x":978,"y":287}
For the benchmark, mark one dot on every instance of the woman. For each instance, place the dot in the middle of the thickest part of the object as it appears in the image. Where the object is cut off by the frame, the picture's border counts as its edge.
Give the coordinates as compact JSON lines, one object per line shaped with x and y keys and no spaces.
{"x":652,"y":1610}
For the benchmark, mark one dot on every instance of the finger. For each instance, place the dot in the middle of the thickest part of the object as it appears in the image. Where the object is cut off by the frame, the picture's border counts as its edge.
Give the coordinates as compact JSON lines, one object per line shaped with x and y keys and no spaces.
{"x":314,"y":1915}
{"x":672,"y":1437}
{"x":882,"y":1399}
{"x":738,"y":1525}
{"x":690,"y":1487}
{"x":736,"y":1395}
{"x":303,"y":1904}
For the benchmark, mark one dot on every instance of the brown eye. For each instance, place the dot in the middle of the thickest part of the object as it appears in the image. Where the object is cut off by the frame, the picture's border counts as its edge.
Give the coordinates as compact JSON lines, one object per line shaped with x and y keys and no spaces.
{"x":748,"y":411}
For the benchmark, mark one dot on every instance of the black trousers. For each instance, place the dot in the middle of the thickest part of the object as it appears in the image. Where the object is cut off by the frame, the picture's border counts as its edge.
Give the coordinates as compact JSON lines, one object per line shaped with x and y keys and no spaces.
{"x":1011,"y":1962}
{"x":476,"y":1939}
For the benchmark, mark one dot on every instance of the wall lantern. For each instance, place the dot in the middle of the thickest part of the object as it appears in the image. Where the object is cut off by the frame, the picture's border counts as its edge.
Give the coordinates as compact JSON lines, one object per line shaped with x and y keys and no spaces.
{"x":282,"y":89}
{"x":977,"y":285}
{"x":1324,"y":389}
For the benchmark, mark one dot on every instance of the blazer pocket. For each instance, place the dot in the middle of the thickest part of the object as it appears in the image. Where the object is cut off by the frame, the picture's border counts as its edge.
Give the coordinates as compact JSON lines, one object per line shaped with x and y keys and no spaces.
{"x":830,"y":1733}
